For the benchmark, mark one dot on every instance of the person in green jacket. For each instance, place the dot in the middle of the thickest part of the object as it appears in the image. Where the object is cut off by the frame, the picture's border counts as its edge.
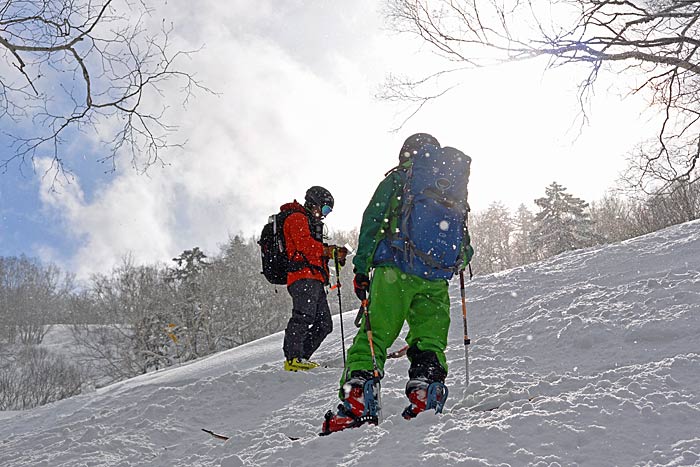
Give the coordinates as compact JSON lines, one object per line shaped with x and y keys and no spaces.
{"x":396,"y":297}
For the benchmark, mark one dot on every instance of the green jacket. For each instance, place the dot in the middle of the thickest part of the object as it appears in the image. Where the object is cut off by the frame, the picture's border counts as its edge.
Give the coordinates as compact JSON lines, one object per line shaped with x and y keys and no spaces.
{"x":381,"y":217}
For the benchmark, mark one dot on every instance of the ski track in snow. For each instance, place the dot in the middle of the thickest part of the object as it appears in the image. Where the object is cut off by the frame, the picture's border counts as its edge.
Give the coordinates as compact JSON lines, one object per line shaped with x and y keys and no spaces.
{"x":591,"y":358}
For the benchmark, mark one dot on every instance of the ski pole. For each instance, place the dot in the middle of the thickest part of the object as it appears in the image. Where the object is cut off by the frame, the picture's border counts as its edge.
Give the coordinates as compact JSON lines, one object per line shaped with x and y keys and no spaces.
{"x":467,"y":341}
{"x":358,"y":317}
{"x":368,"y":329}
{"x":360,"y":312}
{"x":340,"y":301}
{"x":375,"y":368}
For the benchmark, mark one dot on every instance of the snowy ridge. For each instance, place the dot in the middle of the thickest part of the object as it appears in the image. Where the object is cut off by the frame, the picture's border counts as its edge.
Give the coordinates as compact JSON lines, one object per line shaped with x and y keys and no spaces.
{"x":591,"y":358}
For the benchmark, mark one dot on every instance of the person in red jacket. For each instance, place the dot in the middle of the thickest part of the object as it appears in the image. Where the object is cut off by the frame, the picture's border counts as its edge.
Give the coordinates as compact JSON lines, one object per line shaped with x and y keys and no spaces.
{"x":311,"y":317}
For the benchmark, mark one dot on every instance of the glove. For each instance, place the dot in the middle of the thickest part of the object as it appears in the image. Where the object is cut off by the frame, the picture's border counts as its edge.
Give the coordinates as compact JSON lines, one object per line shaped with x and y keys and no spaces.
{"x":328,"y":250}
{"x":361,"y":285}
{"x":342,"y":255}
{"x":331,"y":251}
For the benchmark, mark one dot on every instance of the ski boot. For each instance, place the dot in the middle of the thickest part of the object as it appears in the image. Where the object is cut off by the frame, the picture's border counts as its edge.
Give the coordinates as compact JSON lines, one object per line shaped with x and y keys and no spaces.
{"x":424,"y":396}
{"x":299,"y":364}
{"x":360,"y":406}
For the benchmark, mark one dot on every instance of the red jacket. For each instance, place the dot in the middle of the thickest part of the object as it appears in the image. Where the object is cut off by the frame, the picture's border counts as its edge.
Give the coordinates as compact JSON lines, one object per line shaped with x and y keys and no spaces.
{"x":301,"y":246}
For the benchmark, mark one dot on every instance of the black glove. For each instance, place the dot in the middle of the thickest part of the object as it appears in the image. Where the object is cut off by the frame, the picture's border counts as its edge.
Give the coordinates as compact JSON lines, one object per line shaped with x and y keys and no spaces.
{"x":361,"y":284}
{"x":328,"y":251}
{"x":342,"y":255}
{"x":335,"y":251}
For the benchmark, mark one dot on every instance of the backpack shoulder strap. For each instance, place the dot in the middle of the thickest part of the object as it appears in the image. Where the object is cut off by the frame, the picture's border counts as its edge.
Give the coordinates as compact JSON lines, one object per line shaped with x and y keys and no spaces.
{"x":394,"y":207}
{"x":399,"y":168}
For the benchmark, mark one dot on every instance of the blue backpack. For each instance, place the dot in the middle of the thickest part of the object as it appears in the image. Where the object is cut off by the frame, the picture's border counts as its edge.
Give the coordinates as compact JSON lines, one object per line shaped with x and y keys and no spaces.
{"x":433,"y":217}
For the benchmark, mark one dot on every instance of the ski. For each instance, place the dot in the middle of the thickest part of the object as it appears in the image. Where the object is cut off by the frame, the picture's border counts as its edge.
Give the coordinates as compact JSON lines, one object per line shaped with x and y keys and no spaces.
{"x":216,"y":435}
{"x":398,"y":353}
{"x":226,"y":438}
{"x":483,"y":407}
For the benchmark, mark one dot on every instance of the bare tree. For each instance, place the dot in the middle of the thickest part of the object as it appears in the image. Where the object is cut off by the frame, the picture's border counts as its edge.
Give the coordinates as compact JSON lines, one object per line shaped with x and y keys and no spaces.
{"x":521,"y":247}
{"x":612,"y":220}
{"x":33,"y":296}
{"x":69,"y":67}
{"x":35,"y":376}
{"x":132,"y":305}
{"x":659,"y":211}
{"x":653,"y":42}
{"x":242,"y":306}
{"x":492,"y":231}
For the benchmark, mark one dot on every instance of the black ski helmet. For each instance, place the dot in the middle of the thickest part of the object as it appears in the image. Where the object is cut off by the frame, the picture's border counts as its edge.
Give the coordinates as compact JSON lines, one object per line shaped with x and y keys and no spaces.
{"x":413,"y":143}
{"x":319,"y":196}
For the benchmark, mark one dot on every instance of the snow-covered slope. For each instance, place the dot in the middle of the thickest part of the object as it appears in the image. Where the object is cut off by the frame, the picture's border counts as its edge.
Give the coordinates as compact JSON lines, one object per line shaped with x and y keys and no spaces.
{"x":592,"y":358}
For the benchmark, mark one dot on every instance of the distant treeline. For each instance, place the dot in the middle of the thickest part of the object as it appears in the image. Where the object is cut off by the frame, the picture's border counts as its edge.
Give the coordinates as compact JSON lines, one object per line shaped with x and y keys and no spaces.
{"x":503,"y":239}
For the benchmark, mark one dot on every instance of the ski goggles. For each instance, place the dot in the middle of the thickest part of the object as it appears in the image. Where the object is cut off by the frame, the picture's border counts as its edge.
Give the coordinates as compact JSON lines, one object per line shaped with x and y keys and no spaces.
{"x":325,"y":210}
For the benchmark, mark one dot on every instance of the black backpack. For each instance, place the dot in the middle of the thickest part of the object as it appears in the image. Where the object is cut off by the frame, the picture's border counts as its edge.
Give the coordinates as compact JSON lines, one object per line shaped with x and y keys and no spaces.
{"x":273,"y":251}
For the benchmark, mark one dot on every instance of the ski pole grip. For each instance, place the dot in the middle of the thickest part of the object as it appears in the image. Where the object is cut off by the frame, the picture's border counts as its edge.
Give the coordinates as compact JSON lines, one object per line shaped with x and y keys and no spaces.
{"x":363,"y":308}
{"x":358,"y":318}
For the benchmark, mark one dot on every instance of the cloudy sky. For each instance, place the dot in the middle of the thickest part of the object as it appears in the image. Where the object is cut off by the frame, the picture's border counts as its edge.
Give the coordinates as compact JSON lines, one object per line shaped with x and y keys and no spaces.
{"x":295,"y":106}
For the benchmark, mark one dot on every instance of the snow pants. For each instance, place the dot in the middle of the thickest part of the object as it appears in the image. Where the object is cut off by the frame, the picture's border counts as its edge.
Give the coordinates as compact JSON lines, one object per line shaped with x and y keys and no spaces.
{"x":311,"y":319}
{"x":395,"y":298}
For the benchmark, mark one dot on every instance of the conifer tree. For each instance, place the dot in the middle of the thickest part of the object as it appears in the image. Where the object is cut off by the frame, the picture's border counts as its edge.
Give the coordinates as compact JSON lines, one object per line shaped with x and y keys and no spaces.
{"x":189,"y":319}
{"x":563,"y":223}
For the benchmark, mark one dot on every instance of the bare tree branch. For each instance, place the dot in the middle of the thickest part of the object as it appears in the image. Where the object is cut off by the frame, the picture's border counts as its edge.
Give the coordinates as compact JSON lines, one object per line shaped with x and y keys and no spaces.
{"x":657,"y":40}
{"x":81,"y":65}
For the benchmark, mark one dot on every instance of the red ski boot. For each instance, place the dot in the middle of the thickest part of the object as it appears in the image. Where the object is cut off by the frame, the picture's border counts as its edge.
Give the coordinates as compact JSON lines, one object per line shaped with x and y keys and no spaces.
{"x":424,"y":396}
{"x":359,"y":407}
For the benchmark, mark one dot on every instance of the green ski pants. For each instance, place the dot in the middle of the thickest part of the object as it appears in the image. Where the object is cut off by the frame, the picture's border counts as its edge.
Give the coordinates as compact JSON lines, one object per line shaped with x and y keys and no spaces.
{"x":396,"y":297}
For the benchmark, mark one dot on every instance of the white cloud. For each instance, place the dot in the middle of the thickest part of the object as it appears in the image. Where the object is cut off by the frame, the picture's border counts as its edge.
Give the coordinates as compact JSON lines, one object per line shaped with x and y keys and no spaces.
{"x":128,"y":217}
{"x":279,"y":125}
{"x":296,"y":108}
